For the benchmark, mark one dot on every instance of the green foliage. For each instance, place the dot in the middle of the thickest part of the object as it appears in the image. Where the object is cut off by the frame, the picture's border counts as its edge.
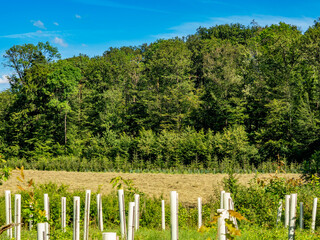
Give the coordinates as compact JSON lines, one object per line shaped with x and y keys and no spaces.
{"x":228,"y":96}
{"x":127,"y":184}
{"x":5,"y":171}
{"x":311,"y":167}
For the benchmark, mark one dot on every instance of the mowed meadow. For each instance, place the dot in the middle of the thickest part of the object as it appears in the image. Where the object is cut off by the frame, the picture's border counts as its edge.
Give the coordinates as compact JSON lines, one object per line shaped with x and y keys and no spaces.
{"x":189,"y":186}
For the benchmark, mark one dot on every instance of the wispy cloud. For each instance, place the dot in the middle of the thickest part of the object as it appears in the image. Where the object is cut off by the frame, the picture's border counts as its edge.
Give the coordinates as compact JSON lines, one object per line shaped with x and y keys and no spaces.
{"x":37,"y":34}
{"x":4,"y":79}
{"x":118,"y":5}
{"x":60,"y":42}
{"x":55,"y":23}
{"x":78,"y":16}
{"x":38,"y":24}
{"x":190,"y":27}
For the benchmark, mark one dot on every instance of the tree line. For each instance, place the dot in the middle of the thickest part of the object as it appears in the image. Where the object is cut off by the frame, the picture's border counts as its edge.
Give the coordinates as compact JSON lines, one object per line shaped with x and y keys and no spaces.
{"x":228,"y":94}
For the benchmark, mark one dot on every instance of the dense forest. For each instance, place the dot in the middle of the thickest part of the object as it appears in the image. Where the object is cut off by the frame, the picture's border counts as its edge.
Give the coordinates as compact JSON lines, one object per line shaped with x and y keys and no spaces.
{"x":228,"y":95}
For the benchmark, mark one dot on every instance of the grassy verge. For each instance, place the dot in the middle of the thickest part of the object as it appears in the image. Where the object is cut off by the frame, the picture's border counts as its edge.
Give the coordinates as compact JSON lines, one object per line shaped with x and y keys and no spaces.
{"x":248,"y":233}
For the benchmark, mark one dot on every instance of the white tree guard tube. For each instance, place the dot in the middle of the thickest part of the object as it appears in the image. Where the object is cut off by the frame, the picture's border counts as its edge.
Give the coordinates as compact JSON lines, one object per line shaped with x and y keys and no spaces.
{"x":292,"y":216}
{"x":221,"y":224}
{"x":63,"y":213}
{"x":314,"y":214}
{"x":226,"y":201}
{"x":199,"y":212}
{"x":109,"y":236}
{"x":131,"y":221}
{"x":287,"y":211}
{"x":30,"y":221}
{"x":76,"y":218}
{"x":233,"y":218}
{"x":99,"y":211}
{"x":174,"y":215}
{"x":17,"y":216}
{"x":46,"y":202}
{"x":279,"y":212}
{"x":163,"y":215}
{"x":221,"y":199}
{"x":87,"y":216}
{"x":137,"y":211}
{"x":122,"y":213}
{"x":46,"y":205}
{"x":47,"y":231}
{"x":301,"y":215}
{"x":8,"y":212}
{"x":41,"y":231}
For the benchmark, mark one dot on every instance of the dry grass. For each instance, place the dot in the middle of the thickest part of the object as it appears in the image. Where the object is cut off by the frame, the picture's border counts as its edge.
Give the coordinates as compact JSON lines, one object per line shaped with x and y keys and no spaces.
{"x":189,"y":186}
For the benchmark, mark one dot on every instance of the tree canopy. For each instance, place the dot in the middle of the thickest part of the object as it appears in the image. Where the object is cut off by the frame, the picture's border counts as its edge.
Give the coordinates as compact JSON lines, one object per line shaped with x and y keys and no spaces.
{"x":228,"y":93}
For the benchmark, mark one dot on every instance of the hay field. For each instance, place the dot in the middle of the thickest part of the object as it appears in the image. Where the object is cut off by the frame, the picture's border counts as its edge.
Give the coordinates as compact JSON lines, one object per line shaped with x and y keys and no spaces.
{"x":189,"y":186}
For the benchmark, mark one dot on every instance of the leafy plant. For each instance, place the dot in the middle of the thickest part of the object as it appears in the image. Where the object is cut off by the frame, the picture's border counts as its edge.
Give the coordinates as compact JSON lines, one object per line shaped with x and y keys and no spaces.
{"x":232,"y":230}
{"x":121,"y":183}
{"x":31,"y":207}
{"x":5,"y":171}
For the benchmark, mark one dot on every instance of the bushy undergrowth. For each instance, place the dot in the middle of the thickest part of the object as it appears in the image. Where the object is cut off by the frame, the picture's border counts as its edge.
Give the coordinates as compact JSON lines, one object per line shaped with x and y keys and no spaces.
{"x":150,"y":208}
{"x":258,"y":202}
{"x":106,"y":165}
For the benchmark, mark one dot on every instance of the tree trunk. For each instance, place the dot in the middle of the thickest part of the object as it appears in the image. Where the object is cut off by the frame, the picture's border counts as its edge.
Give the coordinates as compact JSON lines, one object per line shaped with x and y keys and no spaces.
{"x":65,"y":128}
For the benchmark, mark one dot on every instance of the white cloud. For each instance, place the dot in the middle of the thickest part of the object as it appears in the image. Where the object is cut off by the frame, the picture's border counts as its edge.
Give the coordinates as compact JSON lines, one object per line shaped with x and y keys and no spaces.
{"x":38,"y":24}
{"x":55,"y":23}
{"x":84,"y":45}
{"x":190,"y":27}
{"x":37,"y":34}
{"x":78,"y":16}
{"x":4,"y":79}
{"x":60,"y":41}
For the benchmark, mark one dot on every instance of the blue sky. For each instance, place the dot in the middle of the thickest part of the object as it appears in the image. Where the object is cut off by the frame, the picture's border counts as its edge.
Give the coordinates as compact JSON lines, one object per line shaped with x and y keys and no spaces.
{"x":92,"y":26}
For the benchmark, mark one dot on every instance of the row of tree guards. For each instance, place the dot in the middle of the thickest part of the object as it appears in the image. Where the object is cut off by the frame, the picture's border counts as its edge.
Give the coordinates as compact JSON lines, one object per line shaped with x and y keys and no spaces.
{"x":127,"y":230}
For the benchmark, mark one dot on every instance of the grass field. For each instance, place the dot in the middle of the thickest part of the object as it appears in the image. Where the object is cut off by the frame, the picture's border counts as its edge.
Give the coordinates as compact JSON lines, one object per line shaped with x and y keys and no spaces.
{"x":189,"y":186}
{"x":184,"y":234}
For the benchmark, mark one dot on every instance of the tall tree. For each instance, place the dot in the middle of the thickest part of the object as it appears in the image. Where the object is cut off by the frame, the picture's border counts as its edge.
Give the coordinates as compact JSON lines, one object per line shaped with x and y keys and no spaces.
{"x":23,"y":57}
